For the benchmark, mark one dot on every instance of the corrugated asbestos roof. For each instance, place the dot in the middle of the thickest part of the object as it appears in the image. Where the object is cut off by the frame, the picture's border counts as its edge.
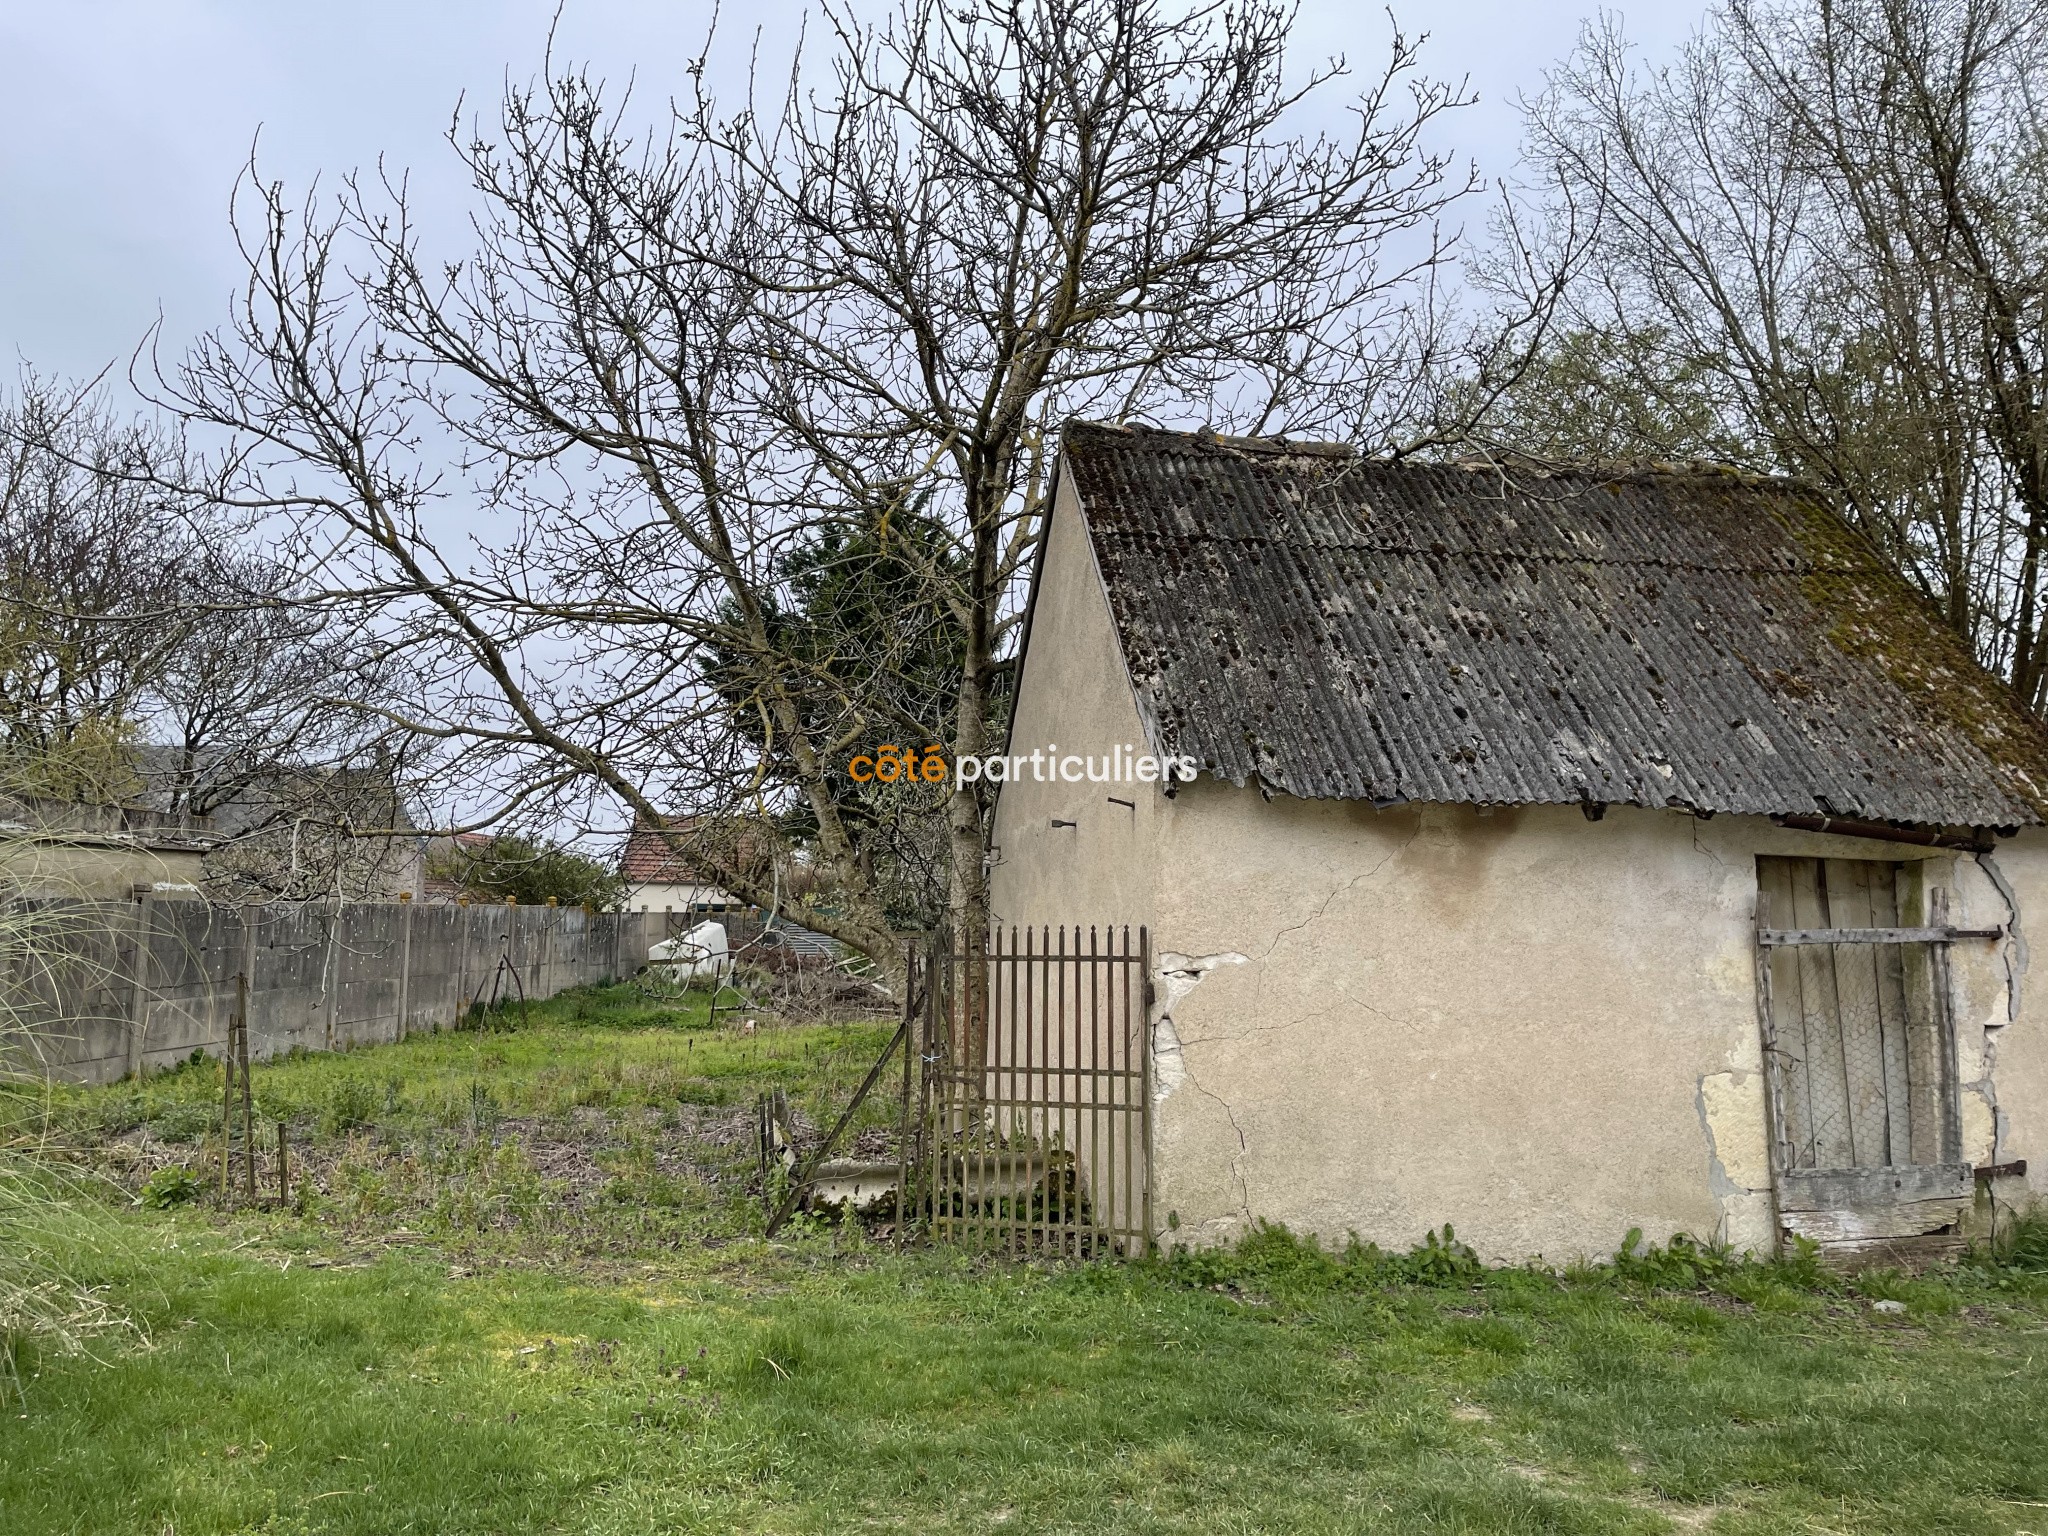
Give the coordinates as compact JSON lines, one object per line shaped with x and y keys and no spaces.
{"x":1345,"y":628}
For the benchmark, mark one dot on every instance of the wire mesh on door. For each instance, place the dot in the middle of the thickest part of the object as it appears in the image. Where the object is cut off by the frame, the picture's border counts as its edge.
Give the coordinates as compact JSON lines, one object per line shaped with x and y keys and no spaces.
{"x":1860,"y":1033}
{"x":1035,"y":1127}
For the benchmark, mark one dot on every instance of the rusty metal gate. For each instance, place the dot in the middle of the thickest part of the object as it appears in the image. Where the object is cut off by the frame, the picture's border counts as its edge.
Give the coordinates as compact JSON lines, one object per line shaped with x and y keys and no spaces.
{"x":1033,"y":1129}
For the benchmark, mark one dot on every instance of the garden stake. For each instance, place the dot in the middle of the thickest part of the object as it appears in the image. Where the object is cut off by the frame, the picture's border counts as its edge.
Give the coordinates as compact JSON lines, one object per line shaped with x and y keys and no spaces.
{"x":227,"y":1110}
{"x":284,"y":1184}
{"x":248,"y":1103}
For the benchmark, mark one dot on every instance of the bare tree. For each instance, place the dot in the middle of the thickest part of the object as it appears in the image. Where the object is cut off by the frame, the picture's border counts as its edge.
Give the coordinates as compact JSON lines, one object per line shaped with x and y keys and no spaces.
{"x":259,"y":682}
{"x":1829,"y":217}
{"x":676,"y":358}
{"x":89,"y":555}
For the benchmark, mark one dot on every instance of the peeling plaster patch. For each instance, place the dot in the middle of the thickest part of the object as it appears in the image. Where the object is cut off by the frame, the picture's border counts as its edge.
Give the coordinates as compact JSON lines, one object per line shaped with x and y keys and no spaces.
{"x":1169,"y":1066}
{"x":1178,"y":976}
{"x":1181,"y":974}
{"x":2014,"y":951}
{"x":1731,"y":1107}
{"x":2015,"y":946}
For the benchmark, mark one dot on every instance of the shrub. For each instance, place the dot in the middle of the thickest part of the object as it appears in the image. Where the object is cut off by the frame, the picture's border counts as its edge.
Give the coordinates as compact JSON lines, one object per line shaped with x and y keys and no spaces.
{"x":175,"y":1185}
{"x":351,"y":1105}
{"x":1683,"y":1264}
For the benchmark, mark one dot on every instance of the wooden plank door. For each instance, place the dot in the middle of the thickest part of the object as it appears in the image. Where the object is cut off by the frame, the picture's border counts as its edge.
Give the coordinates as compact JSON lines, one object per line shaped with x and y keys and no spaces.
{"x":1860,"y":1056}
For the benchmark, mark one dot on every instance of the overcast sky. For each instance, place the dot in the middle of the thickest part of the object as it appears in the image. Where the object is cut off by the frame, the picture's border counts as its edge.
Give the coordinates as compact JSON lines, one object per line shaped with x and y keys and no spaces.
{"x":123,"y":122}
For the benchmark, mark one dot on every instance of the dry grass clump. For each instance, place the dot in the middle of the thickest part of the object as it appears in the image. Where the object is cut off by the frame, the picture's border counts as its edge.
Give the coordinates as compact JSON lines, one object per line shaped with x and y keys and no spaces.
{"x":44,"y":1308}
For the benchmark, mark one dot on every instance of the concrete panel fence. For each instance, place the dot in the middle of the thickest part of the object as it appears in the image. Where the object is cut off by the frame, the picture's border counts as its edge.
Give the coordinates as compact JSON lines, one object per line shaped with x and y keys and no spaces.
{"x":125,"y":987}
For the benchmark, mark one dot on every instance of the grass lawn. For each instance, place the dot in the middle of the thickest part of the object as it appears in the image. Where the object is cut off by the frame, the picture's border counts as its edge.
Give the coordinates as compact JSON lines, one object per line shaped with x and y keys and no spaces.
{"x":521,"y":1288}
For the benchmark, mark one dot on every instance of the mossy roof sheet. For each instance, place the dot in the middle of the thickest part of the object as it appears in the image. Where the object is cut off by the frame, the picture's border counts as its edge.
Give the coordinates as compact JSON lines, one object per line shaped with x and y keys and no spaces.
{"x":1344,"y":628}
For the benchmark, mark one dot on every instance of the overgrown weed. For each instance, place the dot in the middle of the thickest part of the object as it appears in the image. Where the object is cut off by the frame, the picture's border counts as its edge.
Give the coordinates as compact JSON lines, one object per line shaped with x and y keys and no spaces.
{"x":1272,"y":1259}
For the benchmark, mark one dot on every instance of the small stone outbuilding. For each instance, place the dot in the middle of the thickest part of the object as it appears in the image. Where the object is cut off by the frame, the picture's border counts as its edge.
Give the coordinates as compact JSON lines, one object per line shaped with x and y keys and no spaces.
{"x":1570,"y":852}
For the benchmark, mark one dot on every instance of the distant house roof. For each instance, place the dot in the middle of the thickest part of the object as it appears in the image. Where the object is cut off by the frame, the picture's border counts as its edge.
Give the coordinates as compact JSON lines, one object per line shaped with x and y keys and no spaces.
{"x":1337,"y":627}
{"x":650,"y":857}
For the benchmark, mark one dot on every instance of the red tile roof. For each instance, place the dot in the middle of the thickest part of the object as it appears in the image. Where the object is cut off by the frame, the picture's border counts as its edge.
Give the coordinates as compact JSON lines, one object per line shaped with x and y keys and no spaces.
{"x":650,"y":859}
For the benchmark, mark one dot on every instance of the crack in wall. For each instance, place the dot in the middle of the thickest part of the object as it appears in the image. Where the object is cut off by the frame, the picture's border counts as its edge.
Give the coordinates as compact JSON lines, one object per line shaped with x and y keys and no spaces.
{"x":1244,"y":1188}
{"x":1317,"y":916}
{"x":2013,"y":951}
{"x":1702,"y":850}
{"x":2014,"y":948}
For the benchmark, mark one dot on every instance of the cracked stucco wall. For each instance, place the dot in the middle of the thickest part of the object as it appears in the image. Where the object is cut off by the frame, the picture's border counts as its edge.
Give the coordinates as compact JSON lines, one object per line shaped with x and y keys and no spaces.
{"x":1539,"y":1028}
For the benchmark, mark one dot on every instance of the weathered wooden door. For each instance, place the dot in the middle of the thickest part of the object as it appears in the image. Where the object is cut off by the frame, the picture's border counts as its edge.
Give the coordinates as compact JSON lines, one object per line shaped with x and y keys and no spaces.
{"x":1859,"y":1054}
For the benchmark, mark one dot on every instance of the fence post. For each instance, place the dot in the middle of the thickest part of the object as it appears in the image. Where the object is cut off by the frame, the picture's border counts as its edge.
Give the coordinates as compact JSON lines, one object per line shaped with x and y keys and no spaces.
{"x":462,"y":964}
{"x":404,"y":963}
{"x":251,"y":916}
{"x":138,"y":1002}
{"x":330,"y":973}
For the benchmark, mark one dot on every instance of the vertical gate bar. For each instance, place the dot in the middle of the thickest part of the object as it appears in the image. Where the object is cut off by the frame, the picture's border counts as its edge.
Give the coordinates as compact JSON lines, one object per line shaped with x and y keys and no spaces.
{"x":921,"y":1089}
{"x":1041,"y":1010}
{"x":956,"y":1109}
{"x":910,"y":1045}
{"x":1060,"y":1053}
{"x":992,"y":1210}
{"x":1083,"y":1146}
{"x":1045,"y":1084}
{"x":1126,"y":1117}
{"x":1145,"y":1073}
{"x":977,"y":1219}
{"x":1006,"y":1142}
{"x":1030,"y":1115}
{"x":1113,"y":1229}
{"x":992,"y":1235}
{"x":984,"y":1034}
{"x":927,"y":1057}
{"x":994,"y":1108}
{"x":975,"y":967}
{"x":227,"y":1110}
{"x":1012,"y":1096}
{"x":935,"y":1082}
{"x":1096,"y":1183}
{"x":959,"y":1067}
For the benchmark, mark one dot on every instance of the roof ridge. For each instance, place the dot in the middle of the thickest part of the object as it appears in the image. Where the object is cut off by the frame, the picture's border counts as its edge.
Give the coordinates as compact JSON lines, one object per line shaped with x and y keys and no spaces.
{"x":1508,"y":462}
{"x":1277,"y":445}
